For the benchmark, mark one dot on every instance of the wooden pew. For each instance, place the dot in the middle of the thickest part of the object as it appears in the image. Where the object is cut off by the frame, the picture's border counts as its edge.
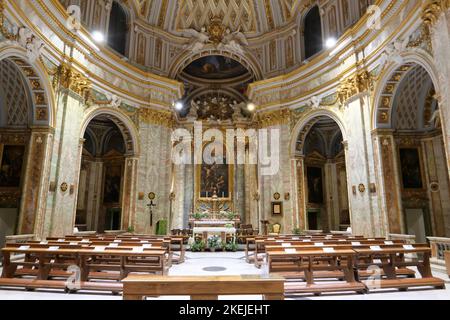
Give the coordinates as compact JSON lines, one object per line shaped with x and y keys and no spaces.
{"x":137,"y":287}
{"x":306,"y":260}
{"x":391,"y":258}
{"x":44,"y":263}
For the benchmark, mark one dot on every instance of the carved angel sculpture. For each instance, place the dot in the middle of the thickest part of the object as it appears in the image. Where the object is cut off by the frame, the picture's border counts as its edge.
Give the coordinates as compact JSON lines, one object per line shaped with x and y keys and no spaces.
{"x":199,"y":39}
{"x":193,"y":112}
{"x":31,"y":43}
{"x":314,"y":102}
{"x":233,"y":41}
{"x":393,"y":51}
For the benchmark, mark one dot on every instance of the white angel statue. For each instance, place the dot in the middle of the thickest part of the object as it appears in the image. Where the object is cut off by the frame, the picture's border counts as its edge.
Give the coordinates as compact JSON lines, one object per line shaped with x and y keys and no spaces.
{"x":234,"y":41}
{"x":199,"y":39}
{"x":394,"y":50}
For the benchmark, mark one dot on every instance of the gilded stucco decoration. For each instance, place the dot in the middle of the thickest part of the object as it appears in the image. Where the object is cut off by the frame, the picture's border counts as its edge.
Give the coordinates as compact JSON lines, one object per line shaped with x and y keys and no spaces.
{"x":359,"y":83}
{"x":155,"y":117}
{"x":273,"y":118}
{"x":73,"y":80}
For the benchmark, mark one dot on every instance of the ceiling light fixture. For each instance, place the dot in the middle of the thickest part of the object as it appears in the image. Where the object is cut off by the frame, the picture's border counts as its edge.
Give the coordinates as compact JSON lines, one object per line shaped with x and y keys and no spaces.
{"x":251,"y":107}
{"x":98,"y":36}
{"x":178,"y":105}
{"x":330,"y":43}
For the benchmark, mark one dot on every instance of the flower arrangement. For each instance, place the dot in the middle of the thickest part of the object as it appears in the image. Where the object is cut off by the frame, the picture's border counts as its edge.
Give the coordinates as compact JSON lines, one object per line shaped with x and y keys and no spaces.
{"x":229,"y":225}
{"x":214,"y":243}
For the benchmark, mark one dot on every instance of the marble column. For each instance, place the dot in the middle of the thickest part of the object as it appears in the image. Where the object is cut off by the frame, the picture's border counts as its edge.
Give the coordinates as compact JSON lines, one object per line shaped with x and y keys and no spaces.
{"x":440,"y":38}
{"x":95,"y":186}
{"x":189,"y":183}
{"x":332,"y":195}
{"x":36,"y":182}
{"x":178,"y":203}
{"x":129,"y":195}
{"x":301,"y":191}
{"x":390,"y":195}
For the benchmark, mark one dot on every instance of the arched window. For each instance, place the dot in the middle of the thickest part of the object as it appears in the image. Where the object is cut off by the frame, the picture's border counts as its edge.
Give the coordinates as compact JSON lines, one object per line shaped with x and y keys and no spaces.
{"x":313,"y":33}
{"x":118,"y":28}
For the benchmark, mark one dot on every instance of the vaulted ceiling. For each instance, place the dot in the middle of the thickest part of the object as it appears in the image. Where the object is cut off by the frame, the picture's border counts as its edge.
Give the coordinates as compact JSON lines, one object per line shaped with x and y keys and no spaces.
{"x":251,"y":16}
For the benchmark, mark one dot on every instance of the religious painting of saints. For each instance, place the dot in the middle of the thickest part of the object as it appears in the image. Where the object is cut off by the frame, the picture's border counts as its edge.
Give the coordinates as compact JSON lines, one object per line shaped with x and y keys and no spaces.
{"x":315,"y":185}
{"x":11,"y":166}
{"x":214,"y":180}
{"x":410,"y":168}
{"x":113,"y":181}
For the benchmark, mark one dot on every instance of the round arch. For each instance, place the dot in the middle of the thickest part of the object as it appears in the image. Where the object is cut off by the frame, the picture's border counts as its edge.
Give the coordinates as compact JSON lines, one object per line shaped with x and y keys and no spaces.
{"x":305,"y":124}
{"x":123,"y":122}
{"x":186,"y":58}
{"x":386,"y":88}
{"x":37,"y":81}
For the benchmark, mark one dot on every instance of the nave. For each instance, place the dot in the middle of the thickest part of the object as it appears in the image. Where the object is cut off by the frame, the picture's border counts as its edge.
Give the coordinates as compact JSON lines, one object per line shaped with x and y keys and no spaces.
{"x":235,"y":265}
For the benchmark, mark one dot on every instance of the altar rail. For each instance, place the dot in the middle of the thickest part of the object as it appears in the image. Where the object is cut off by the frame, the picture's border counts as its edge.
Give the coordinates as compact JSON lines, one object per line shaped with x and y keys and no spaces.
{"x":410,"y":239}
{"x":22,"y":238}
{"x":438,"y":247}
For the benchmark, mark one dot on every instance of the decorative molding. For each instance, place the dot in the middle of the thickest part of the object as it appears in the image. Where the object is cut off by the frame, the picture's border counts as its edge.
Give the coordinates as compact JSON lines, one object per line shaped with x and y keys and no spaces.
{"x":161,"y":118}
{"x":273,"y":118}
{"x":69,"y":78}
{"x":356,"y":84}
{"x":432,"y":9}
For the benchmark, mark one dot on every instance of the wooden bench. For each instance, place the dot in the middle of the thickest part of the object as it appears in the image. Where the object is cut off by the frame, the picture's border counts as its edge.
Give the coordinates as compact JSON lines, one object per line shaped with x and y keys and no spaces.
{"x":311,"y":260}
{"x":390,"y":259}
{"x":137,"y":287}
{"x":46,"y":264}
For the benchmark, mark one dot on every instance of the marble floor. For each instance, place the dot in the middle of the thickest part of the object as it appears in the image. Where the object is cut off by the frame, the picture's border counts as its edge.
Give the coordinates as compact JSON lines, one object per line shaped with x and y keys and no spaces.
{"x":225,"y":263}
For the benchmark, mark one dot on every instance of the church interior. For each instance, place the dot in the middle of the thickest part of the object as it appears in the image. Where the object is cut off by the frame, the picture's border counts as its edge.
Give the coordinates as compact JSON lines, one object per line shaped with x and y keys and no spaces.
{"x":208,"y":149}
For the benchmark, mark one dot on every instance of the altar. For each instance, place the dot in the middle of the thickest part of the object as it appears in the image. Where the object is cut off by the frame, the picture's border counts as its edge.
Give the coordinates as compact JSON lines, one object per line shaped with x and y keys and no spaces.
{"x":208,"y":228}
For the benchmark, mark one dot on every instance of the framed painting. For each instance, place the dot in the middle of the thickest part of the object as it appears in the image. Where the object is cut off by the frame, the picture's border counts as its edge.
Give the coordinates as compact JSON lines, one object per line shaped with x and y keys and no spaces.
{"x":315,"y":185}
{"x":410,"y":168}
{"x":11,"y":166}
{"x":277,"y":208}
{"x":113,"y":183}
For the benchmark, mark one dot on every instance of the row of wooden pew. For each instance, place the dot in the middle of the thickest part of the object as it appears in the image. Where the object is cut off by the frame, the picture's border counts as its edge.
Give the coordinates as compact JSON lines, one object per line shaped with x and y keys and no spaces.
{"x":337,"y":263}
{"x":94,"y":263}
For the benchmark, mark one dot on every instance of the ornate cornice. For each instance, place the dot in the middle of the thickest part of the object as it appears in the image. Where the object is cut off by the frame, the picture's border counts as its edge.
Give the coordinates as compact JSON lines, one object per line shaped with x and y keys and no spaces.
{"x":273,"y":118}
{"x":356,"y":84}
{"x":432,"y":9}
{"x":155,"y":117}
{"x":67,"y":77}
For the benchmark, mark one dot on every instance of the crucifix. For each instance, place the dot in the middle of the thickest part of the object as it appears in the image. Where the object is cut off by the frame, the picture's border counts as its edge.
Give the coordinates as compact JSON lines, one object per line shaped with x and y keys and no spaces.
{"x":151,"y":205}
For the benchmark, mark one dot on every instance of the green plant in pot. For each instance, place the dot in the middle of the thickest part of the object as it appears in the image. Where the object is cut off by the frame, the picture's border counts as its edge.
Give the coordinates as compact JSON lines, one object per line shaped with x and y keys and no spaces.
{"x":297,"y":231}
{"x":130,"y":229}
{"x":231,"y":215}
{"x":214,"y":243}
{"x":198,"y":216}
{"x":198,"y":246}
{"x":231,"y":246}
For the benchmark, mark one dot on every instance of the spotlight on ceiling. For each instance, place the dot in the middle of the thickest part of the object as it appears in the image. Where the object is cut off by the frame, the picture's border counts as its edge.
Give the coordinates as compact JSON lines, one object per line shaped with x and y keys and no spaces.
{"x":251,"y":107}
{"x":98,"y":36}
{"x":178,"y":105}
{"x":330,"y":43}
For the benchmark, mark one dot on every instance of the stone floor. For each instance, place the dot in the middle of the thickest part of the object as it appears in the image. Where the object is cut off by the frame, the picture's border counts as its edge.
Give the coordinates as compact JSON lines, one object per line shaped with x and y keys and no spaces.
{"x":228,"y":264}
